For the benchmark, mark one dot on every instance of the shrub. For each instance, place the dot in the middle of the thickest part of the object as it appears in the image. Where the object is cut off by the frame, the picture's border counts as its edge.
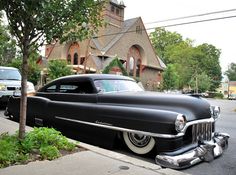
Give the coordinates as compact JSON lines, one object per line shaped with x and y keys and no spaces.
{"x":49,"y":152}
{"x":215,"y":95}
{"x":58,"y":68}
{"x":9,"y":151}
{"x":47,"y":142}
{"x":42,"y":137}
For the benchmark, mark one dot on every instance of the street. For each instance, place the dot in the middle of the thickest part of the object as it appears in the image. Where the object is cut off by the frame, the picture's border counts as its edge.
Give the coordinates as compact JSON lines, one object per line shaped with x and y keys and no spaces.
{"x":226,"y":163}
{"x":222,"y":165}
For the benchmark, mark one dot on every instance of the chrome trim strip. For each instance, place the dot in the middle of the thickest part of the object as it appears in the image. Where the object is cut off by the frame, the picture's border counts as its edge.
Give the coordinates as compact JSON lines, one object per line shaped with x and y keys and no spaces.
{"x":99,"y":124}
{"x":210,"y":120}
{"x":122,"y":129}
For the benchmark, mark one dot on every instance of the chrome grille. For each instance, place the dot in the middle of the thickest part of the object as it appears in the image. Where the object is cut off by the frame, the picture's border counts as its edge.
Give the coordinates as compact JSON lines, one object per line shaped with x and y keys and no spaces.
{"x":12,"y":88}
{"x":201,"y":132}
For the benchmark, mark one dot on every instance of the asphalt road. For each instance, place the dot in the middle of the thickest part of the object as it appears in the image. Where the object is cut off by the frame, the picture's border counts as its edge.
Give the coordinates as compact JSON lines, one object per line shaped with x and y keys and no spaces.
{"x":224,"y":165}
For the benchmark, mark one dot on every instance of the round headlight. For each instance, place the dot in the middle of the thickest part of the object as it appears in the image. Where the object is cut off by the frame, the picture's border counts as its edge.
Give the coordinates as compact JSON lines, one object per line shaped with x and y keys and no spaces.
{"x":215,"y":112}
{"x":2,"y":87}
{"x":180,"y":122}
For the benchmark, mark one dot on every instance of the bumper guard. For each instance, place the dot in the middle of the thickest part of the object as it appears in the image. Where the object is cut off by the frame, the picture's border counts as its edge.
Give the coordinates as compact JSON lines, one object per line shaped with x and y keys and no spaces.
{"x":205,"y":151}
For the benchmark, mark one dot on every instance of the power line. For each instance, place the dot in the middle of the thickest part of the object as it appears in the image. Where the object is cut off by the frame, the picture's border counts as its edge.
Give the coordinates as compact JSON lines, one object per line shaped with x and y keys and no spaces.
{"x":176,"y":24}
{"x":198,"y":21}
{"x":170,"y":25}
{"x":191,"y":16}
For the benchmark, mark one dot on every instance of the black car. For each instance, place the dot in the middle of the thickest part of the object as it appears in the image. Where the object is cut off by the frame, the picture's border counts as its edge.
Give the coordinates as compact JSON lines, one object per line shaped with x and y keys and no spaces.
{"x":100,"y":108}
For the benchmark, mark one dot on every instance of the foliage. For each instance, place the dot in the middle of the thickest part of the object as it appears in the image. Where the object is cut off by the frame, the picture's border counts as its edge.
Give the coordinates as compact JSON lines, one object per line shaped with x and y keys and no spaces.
{"x":231,"y":72}
{"x":43,"y":141}
{"x":49,"y":152}
{"x":52,"y":19}
{"x":58,"y":68}
{"x":34,"y":22}
{"x":187,"y":59}
{"x":33,"y":69}
{"x":210,"y":64}
{"x":216,"y":95}
{"x":10,"y":152}
{"x":200,"y":82}
{"x":115,"y":62}
{"x":162,"y":39}
{"x":7,"y":45}
{"x":170,"y":78}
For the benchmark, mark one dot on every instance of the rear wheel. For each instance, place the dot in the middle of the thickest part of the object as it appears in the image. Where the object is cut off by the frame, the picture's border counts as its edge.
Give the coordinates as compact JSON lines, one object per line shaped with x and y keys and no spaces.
{"x":138,"y":143}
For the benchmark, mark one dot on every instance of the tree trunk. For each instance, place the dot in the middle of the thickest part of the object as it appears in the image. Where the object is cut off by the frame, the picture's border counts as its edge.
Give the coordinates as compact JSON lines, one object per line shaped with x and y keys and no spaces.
{"x":23,"y":101}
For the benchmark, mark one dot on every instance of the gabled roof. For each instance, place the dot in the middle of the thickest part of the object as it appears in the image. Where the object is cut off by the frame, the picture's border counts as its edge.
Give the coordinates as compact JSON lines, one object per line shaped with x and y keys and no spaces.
{"x":162,"y":64}
{"x":126,"y":26}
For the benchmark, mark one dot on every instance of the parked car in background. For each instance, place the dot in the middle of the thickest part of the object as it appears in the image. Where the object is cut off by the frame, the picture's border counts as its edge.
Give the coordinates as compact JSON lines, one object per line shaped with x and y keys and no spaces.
{"x":232,"y":97}
{"x":10,"y":84}
{"x":99,"y":109}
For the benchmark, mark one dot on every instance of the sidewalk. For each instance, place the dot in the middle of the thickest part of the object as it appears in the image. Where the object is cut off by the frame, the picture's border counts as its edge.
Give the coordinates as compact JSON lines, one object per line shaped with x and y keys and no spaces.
{"x":95,"y":161}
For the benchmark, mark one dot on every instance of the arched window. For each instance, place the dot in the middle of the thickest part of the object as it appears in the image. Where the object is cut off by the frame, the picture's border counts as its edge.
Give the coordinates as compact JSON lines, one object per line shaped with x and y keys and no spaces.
{"x":138,"y":68}
{"x":131,"y":66}
{"x":76,"y":59}
{"x":82,"y":60}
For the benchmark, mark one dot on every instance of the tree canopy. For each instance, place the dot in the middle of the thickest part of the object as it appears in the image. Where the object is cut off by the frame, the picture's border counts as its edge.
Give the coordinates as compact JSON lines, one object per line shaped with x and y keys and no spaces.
{"x":188,"y":60}
{"x":32,"y":22}
{"x":7,"y":44}
{"x":231,"y":72}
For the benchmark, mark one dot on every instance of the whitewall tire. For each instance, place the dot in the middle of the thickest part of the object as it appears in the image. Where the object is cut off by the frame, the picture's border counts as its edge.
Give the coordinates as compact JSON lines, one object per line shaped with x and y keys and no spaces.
{"x":139,"y":144}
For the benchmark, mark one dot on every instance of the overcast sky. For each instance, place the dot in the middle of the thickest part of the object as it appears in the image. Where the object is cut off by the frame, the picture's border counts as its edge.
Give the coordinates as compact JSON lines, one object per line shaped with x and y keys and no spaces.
{"x":220,"y":33}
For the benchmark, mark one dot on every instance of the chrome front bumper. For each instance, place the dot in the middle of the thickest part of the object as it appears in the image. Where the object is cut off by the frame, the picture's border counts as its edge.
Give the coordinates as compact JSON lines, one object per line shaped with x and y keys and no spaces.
{"x":205,"y":151}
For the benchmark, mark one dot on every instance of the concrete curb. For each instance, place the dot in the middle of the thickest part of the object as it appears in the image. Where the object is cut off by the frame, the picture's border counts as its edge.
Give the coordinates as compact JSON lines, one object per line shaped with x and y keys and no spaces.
{"x":11,"y":127}
{"x":130,"y":160}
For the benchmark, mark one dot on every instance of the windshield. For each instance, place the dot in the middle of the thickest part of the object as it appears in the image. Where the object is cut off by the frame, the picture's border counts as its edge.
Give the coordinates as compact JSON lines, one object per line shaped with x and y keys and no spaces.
{"x":9,"y":74}
{"x":108,"y":86}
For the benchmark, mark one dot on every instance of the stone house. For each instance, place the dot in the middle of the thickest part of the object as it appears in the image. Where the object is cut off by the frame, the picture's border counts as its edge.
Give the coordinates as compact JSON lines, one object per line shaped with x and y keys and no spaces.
{"x":126,"y":39}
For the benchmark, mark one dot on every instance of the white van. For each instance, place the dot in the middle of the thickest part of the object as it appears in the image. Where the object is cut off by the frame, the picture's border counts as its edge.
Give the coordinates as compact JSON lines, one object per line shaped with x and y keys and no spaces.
{"x":10,"y":84}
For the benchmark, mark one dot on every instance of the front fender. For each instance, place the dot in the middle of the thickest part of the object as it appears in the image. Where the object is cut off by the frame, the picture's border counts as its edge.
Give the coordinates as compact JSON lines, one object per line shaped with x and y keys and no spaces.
{"x":115,"y":117}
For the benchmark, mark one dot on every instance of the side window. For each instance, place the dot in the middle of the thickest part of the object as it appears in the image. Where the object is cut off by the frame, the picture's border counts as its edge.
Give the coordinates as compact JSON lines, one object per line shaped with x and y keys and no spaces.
{"x":67,"y":88}
{"x":84,"y":87}
{"x":51,"y":88}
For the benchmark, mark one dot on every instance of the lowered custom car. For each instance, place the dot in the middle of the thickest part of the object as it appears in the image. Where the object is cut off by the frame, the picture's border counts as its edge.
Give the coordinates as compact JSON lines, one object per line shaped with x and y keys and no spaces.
{"x":100,"y":108}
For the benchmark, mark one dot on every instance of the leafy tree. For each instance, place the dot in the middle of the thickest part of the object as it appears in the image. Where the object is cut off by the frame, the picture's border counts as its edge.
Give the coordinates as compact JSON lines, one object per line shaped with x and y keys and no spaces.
{"x":7,"y":45}
{"x":58,"y":68}
{"x":32,"y":22}
{"x":231,"y":72}
{"x":200,"y":82}
{"x":162,"y":39}
{"x":170,"y":78}
{"x":209,"y":63}
{"x":188,"y":60}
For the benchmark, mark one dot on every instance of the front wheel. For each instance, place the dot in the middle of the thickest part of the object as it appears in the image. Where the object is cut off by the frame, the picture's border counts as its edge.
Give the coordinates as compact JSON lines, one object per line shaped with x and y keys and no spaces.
{"x":138,"y":143}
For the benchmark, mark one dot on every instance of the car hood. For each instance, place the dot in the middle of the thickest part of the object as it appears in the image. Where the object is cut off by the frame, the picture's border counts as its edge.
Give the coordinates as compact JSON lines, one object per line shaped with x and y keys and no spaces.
{"x":193,"y":107}
{"x":11,"y":82}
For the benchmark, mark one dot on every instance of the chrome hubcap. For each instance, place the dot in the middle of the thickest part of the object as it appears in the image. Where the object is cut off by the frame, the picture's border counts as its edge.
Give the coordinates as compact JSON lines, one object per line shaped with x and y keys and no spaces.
{"x":139,"y":140}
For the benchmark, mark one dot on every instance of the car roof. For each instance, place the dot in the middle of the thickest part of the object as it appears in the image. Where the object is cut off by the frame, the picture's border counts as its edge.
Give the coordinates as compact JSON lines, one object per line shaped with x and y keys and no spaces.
{"x":8,"y":68}
{"x":95,"y":77}
{"x":91,"y":77}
